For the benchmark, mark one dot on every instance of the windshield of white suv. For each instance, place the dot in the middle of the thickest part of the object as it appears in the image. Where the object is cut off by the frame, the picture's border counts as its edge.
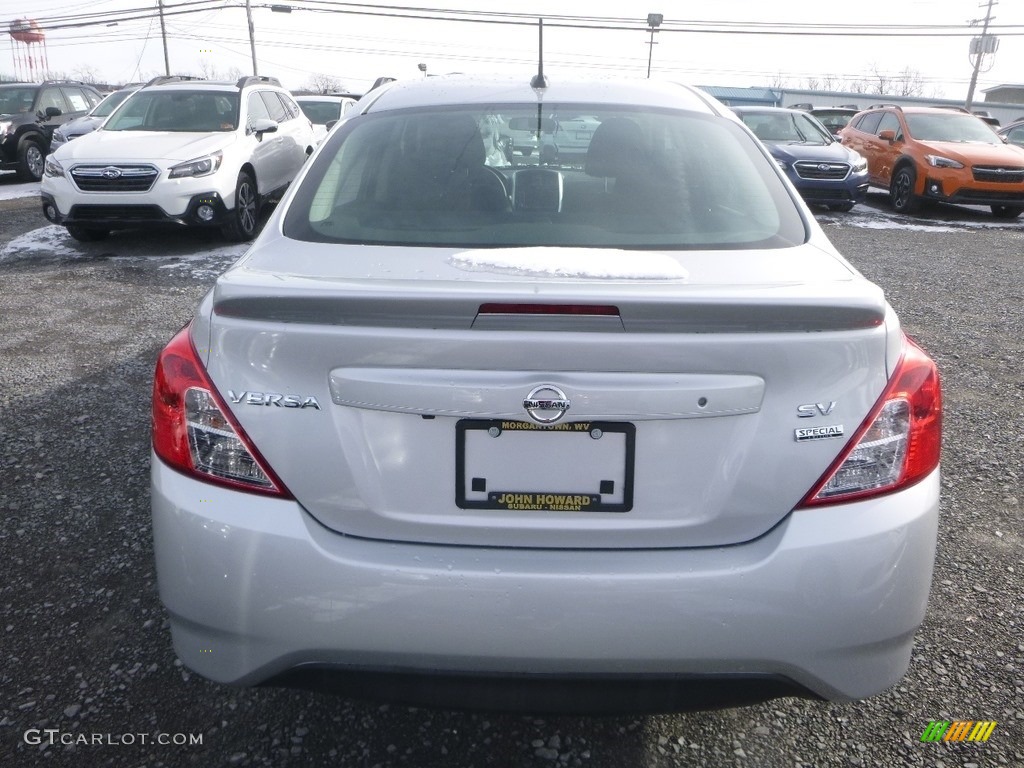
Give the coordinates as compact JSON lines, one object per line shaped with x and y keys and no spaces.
{"x":516,"y":175}
{"x":177,"y":110}
{"x":14,"y":100}
{"x":952,"y":127}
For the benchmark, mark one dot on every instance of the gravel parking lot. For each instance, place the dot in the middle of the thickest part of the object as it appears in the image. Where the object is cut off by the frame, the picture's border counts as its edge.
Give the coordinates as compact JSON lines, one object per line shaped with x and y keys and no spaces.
{"x":88,"y":677}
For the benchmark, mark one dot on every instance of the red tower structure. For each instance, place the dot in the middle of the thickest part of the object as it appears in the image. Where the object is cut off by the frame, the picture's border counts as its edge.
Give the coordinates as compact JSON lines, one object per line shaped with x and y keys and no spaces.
{"x":28,"y":50}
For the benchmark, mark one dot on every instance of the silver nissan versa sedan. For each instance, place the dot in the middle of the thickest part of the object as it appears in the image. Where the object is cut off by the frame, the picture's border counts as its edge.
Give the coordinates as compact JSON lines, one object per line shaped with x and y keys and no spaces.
{"x":620,"y":433}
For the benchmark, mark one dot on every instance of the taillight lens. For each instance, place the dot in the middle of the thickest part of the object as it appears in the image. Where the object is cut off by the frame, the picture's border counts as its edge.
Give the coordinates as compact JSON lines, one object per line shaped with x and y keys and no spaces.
{"x":194,"y":432}
{"x":899,"y":442}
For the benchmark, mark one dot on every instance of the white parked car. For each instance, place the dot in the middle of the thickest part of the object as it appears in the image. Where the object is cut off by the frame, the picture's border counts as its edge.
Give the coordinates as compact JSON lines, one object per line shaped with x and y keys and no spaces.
{"x":324,"y":109}
{"x":627,"y":433}
{"x":195,"y":153}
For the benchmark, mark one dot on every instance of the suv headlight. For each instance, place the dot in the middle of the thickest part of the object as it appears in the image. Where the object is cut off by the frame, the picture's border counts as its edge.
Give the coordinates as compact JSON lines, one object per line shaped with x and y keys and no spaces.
{"x":5,"y":126}
{"x":52,"y":168}
{"x":59,"y":135}
{"x":938,"y":161}
{"x":202,"y":166}
{"x":860,"y":165}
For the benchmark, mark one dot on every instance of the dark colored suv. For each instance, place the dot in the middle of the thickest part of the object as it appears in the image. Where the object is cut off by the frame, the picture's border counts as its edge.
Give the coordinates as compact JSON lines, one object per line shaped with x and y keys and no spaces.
{"x":29,"y":113}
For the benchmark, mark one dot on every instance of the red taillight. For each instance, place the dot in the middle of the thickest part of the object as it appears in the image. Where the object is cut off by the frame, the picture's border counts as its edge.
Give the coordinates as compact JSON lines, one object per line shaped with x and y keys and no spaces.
{"x":194,"y":432}
{"x":899,"y":442}
{"x":549,"y":309}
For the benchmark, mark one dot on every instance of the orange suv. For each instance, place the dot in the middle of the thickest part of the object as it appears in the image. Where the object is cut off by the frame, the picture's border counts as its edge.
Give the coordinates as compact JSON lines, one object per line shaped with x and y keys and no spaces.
{"x":922,"y":154}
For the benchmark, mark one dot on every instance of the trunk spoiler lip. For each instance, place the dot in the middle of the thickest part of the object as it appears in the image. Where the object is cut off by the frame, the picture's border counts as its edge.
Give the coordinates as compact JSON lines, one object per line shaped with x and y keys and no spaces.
{"x":690,"y":315}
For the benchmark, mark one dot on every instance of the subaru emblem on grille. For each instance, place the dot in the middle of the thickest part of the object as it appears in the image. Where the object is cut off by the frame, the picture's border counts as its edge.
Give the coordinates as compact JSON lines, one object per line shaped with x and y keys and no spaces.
{"x":546,"y":404}
{"x":110,"y":172}
{"x":824,"y":167}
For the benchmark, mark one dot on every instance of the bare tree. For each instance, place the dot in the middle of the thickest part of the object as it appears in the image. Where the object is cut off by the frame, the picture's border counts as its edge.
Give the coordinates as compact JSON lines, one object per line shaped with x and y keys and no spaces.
{"x":880,"y":81}
{"x":209,"y":72}
{"x":908,"y":83}
{"x":857,"y":86}
{"x":778,"y":82}
{"x":87,"y":73}
{"x":830,"y":83}
{"x":813,"y":84}
{"x":321,"y":83}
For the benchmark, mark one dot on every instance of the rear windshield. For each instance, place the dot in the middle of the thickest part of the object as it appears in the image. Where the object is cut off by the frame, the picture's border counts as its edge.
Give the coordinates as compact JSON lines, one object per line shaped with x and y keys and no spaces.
{"x":321,"y":112}
{"x":174,"y":110}
{"x":507,"y":176}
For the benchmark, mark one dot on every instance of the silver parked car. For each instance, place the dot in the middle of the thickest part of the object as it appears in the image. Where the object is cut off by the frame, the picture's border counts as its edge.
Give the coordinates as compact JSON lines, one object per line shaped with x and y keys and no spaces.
{"x":620,"y":434}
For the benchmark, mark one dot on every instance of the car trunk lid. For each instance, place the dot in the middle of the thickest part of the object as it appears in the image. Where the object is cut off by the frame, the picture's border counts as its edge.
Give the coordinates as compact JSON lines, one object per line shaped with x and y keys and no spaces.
{"x":422,"y":397}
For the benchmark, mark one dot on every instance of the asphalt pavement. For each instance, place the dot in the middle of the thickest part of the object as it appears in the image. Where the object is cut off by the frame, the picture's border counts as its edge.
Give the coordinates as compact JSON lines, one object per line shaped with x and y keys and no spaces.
{"x":87,"y":673}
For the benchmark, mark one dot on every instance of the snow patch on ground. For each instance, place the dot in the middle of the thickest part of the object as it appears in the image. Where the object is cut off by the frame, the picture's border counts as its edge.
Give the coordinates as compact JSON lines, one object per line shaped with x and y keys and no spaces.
{"x":52,"y":243}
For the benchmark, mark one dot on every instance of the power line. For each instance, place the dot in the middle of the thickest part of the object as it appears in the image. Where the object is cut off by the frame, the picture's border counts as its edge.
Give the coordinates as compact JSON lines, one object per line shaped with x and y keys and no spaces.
{"x":563,"y":21}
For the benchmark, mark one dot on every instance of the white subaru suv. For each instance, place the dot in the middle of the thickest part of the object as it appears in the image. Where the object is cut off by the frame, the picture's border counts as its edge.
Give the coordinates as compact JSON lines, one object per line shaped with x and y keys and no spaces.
{"x":195,"y":153}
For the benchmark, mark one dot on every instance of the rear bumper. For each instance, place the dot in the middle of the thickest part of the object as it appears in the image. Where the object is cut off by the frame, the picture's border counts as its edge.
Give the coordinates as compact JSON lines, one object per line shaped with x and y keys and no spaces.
{"x":827,"y":602}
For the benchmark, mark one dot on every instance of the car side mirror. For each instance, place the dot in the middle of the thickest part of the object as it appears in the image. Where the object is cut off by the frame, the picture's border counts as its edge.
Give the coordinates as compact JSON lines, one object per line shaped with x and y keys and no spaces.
{"x":53,"y":112}
{"x":888,"y":135}
{"x":262,"y":125}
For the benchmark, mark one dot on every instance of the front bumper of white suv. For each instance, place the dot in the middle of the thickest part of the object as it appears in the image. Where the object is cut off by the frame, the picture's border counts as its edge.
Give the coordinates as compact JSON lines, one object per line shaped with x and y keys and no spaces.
{"x":123,"y":196}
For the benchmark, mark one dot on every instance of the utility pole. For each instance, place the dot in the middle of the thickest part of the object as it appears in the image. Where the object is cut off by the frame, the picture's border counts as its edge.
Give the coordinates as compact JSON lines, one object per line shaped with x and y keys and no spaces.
{"x":163,"y":34}
{"x":982,"y":46}
{"x":653,"y":21}
{"x":252,"y":35}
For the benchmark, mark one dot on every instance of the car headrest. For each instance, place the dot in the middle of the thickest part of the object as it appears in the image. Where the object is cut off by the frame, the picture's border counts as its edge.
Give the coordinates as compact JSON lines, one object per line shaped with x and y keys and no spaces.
{"x":447,"y":141}
{"x":616,"y":148}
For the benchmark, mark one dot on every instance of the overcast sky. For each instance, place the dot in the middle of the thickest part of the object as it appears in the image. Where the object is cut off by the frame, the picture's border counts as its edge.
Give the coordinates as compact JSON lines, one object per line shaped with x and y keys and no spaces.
{"x":356,"y":48}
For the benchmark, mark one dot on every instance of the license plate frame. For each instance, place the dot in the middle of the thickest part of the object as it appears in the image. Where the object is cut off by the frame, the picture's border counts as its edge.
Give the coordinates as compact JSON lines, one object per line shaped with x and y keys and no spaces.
{"x":581,"y":449}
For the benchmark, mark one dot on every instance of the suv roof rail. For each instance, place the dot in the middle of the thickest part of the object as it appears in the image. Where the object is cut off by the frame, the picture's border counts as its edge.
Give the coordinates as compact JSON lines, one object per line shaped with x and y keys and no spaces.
{"x":63,"y":82}
{"x":952,"y":107}
{"x":256,"y":80}
{"x":885,"y":104}
{"x":848,"y":106}
{"x":805,"y":105}
{"x":171,"y":79}
{"x":383,"y":80}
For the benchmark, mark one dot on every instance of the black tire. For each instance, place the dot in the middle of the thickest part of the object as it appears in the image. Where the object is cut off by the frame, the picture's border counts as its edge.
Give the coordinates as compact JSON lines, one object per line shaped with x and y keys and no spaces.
{"x":1007,"y":211}
{"x":841,"y":207}
{"x":31,"y":160}
{"x":86,"y":234}
{"x":901,"y":190}
{"x":243,"y":220}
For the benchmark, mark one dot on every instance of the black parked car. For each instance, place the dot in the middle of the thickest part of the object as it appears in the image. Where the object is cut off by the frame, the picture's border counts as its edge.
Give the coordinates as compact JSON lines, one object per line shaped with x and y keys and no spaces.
{"x":29,"y":113}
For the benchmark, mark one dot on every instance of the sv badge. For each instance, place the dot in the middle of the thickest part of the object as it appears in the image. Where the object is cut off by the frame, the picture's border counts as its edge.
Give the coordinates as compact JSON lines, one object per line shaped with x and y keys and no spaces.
{"x":815,"y":409}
